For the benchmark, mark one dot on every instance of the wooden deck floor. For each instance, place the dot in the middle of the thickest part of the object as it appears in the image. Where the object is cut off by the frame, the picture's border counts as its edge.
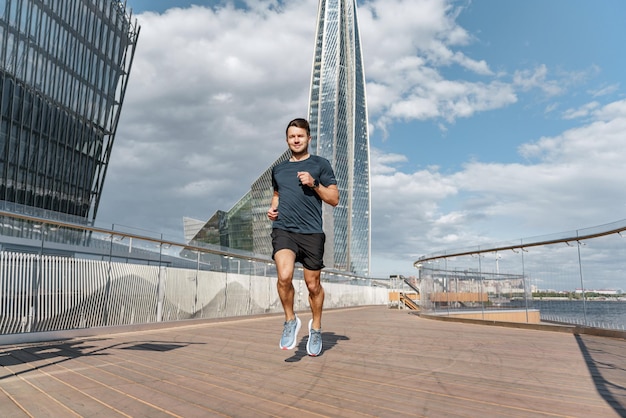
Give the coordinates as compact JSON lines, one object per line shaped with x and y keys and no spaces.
{"x":376,"y":362}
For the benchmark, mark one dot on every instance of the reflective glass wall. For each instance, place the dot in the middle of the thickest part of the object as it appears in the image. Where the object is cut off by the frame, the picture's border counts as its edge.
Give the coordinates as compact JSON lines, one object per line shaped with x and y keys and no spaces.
{"x":64,"y":67}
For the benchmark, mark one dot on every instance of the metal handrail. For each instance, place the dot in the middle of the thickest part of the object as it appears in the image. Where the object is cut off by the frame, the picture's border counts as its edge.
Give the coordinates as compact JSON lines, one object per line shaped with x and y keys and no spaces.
{"x":191,"y":246}
{"x":606,"y":229}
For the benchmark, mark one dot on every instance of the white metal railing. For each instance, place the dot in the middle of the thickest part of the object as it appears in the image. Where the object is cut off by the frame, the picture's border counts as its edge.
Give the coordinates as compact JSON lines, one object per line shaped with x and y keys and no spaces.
{"x":48,"y":293}
{"x":57,"y":276}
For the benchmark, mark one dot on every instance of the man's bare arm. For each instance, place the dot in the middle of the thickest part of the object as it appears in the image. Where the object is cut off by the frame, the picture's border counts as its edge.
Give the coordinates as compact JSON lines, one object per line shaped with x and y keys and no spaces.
{"x":272,"y":212}
{"x":329,"y":194}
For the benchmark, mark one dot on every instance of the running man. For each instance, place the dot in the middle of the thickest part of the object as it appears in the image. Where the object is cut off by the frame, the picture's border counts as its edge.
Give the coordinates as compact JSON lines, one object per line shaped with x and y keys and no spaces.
{"x":300,"y":184}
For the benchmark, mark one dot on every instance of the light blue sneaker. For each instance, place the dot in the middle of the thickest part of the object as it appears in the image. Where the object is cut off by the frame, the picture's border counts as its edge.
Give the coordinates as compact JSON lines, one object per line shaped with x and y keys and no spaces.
{"x":314,"y":345}
{"x":290,"y":334}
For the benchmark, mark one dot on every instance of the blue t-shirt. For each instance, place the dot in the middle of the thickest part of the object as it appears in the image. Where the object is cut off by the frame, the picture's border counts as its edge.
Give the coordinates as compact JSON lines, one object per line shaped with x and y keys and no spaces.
{"x":299,"y":207}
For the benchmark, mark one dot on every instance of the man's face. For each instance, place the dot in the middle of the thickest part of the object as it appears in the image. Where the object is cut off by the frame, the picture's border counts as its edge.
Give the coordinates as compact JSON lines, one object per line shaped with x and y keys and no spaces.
{"x":297,"y":139}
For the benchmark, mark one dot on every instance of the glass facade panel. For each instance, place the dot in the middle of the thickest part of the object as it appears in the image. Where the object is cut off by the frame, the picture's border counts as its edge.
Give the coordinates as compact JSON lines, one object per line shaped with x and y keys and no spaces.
{"x":338,"y":118}
{"x":338,"y":112}
{"x":54,"y":142}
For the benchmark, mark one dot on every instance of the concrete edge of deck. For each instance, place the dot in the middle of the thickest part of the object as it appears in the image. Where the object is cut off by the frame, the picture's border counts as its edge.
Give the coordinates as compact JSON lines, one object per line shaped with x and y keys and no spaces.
{"x":544,"y":326}
{"x":43,"y":336}
{"x":38,"y":337}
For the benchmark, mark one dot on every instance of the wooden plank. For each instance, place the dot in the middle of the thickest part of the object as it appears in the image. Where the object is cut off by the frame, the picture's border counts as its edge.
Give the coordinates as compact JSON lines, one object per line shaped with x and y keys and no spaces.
{"x":376,"y":362}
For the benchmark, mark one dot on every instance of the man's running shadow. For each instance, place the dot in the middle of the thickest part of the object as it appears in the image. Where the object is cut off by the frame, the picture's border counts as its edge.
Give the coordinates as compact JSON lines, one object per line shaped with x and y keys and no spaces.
{"x":329,"y":341}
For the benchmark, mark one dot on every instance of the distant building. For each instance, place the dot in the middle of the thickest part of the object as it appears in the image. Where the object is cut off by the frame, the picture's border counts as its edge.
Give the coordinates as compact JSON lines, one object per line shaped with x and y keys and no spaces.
{"x":605,"y":292}
{"x":64,"y":68}
{"x":339,"y":130}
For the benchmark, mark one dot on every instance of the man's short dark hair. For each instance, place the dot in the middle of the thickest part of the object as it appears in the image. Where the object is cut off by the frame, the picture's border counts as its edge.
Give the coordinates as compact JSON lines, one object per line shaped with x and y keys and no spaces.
{"x":299,"y":123}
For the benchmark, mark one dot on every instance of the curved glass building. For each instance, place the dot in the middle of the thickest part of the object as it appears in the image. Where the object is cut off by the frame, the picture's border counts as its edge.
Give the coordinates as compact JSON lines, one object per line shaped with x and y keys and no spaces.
{"x":338,"y":118}
{"x":339,"y":131}
{"x":64,"y":67}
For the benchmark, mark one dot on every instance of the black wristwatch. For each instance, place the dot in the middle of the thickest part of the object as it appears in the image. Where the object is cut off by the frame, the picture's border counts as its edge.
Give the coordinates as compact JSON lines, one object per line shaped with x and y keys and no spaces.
{"x":316,"y":184}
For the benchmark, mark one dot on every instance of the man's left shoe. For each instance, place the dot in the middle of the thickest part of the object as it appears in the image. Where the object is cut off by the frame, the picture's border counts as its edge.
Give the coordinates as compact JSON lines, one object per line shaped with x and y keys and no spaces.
{"x":314,"y":345}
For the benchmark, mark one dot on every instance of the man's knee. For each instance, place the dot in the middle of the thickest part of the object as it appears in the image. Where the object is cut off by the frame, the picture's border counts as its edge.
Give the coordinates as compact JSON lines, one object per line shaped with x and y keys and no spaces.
{"x":285,"y":281}
{"x":284,"y":274}
{"x":315,"y":287}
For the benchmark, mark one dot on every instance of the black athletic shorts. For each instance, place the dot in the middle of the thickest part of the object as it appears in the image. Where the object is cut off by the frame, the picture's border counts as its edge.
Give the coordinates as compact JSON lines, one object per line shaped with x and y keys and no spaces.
{"x":309,"y":248}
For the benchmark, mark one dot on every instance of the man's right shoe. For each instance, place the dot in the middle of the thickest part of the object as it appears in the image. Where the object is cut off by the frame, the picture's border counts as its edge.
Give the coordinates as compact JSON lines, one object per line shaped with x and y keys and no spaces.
{"x":290,"y":334}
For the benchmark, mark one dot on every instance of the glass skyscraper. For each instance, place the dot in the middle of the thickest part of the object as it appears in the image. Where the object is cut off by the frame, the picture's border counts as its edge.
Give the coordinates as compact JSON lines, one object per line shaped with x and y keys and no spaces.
{"x":64,"y":67}
{"x":339,"y":131}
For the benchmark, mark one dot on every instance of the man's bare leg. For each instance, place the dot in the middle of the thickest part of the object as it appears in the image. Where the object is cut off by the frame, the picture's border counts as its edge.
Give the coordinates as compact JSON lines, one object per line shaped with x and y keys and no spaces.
{"x":285,"y":262}
{"x":316,"y":296}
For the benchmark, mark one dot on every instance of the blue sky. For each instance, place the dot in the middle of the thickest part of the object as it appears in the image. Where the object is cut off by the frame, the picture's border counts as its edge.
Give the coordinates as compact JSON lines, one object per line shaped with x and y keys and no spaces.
{"x":490,"y":120}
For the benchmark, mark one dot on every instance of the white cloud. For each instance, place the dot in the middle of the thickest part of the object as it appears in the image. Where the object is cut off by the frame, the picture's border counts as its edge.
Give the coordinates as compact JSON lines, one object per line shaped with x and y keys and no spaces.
{"x":211,"y":91}
{"x":605,"y":90}
{"x":576,"y":180}
{"x":537,"y":78}
{"x":581,"y":112}
{"x":402,"y":67}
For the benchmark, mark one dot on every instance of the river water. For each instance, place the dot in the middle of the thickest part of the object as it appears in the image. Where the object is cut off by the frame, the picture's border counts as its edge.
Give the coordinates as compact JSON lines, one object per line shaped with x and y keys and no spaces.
{"x":594,"y":313}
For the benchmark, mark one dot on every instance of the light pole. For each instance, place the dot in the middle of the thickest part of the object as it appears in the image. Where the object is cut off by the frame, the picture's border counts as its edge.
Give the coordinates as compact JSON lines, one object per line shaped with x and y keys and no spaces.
{"x":498,"y":257}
